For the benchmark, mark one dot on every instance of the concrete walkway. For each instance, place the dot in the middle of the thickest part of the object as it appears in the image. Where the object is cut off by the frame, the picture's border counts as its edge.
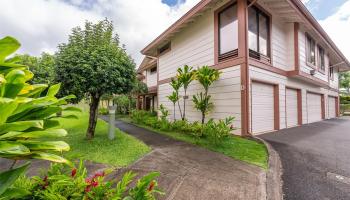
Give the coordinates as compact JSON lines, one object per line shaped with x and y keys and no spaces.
{"x":190,"y":172}
{"x":315,"y":160}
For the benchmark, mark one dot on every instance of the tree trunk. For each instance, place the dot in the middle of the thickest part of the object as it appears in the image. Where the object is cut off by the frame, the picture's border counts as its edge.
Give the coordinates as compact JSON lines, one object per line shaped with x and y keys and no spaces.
{"x":174,"y":112}
{"x":184,"y":113}
{"x":90,"y":133}
{"x":203,"y":117}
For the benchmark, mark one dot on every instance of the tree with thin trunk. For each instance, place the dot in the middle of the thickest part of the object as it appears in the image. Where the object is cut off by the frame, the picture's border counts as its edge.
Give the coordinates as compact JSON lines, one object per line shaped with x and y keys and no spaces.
{"x":94,"y":63}
{"x":176,"y":85}
{"x":174,"y":97}
{"x":185,"y":76}
{"x":206,"y":76}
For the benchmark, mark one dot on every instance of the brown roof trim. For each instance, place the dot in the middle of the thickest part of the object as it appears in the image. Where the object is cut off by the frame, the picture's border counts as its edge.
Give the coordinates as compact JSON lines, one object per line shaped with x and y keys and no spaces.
{"x":199,"y":6}
{"x":306,"y":13}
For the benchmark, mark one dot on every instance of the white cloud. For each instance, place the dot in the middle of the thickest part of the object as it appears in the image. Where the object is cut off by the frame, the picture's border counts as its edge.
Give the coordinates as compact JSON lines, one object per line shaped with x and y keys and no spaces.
{"x":338,"y":28}
{"x":40,"y":25}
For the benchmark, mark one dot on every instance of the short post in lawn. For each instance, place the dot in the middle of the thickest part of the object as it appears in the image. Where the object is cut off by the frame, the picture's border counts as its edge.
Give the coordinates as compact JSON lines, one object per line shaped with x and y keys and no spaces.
{"x":111,"y":133}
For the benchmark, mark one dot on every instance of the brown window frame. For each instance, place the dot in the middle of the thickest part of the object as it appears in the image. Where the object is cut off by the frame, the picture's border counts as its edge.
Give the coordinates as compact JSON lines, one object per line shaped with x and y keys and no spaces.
{"x":231,"y":55}
{"x":319,"y":59}
{"x":312,"y":65}
{"x":164,"y":49}
{"x":256,"y":54}
{"x":153,"y":70}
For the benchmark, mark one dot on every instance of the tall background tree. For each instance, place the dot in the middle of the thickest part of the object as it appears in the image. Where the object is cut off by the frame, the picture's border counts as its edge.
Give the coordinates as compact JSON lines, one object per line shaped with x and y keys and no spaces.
{"x":345,"y":81}
{"x":93,"y":63}
{"x":42,"y":67}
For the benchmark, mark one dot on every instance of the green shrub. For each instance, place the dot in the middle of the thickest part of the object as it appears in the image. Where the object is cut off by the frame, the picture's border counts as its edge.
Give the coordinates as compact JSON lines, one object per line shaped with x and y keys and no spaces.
{"x":164,"y":112}
{"x":61,"y":182}
{"x":103,"y":111}
{"x":140,"y":116}
{"x":28,"y":122}
{"x":216,"y":132}
{"x":152,"y":122}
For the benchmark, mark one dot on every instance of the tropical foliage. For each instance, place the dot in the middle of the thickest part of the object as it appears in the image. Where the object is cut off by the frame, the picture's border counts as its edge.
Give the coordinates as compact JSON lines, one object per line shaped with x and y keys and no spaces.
{"x":62,"y":182}
{"x":344,"y":81}
{"x":174,"y":98}
{"x":185,"y":76}
{"x":94,"y":63}
{"x":27,"y":122}
{"x":206,"y":76}
{"x":176,"y":85}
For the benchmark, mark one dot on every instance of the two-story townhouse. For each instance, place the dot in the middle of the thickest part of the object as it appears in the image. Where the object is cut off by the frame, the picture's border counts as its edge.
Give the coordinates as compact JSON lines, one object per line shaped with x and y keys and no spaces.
{"x":279,"y":67}
{"x":147,"y":73}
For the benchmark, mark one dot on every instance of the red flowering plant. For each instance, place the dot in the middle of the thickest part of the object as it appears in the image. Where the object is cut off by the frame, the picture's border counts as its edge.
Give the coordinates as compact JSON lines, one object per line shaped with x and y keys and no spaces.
{"x":62,"y":182}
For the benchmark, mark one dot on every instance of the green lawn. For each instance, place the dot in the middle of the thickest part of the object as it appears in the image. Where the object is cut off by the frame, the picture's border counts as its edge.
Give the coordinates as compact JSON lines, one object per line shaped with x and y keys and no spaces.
{"x":236,"y":147}
{"x":122,"y":151}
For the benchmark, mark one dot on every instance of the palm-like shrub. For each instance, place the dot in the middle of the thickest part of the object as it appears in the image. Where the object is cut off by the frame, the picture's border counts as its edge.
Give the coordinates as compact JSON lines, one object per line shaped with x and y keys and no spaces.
{"x":174,"y":97}
{"x":185,"y":76}
{"x":176,"y":85}
{"x":206,"y":76}
{"x":27,"y":120}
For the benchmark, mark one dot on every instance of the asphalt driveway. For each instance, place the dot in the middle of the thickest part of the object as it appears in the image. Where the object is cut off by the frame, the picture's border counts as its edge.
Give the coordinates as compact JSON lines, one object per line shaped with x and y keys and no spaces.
{"x":315,"y":160}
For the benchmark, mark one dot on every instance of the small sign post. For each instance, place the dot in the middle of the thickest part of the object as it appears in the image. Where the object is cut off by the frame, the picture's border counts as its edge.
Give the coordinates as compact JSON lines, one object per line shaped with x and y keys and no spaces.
{"x":111,"y":133}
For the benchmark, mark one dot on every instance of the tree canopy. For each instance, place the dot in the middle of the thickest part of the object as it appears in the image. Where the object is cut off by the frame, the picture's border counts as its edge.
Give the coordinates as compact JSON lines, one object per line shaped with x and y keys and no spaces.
{"x":42,"y":67}
{"x":94,"y":63}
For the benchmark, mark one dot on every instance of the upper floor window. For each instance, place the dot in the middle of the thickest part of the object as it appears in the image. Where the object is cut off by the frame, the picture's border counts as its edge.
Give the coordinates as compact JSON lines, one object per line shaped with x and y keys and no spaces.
{"x":153,"y":70}
{"x":310,"y":50}
{"x":320,"y":59}
{"x":228,"y":32}
{"x":331,"y":73}
{"x":165,"y":48}
{"x":258,"y":33}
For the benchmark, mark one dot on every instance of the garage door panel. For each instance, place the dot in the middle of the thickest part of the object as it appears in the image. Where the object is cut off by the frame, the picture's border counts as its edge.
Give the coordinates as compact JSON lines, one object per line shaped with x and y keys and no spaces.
{"x":262,"y":96}
{"x":314,"y":107}
{"x":291,"y":107}
{"x":331,"y":107}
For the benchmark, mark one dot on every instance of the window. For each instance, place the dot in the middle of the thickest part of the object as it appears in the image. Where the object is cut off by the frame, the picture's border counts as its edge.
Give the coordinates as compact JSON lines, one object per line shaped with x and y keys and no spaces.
{"x":153,"y":70}
{"x":228,"y":33}
{"x":164,"y":48}
{"x":331,"y":73}
{"x":258,"y":33}
{"x":320,"y":59}
{"x":310,"y":50}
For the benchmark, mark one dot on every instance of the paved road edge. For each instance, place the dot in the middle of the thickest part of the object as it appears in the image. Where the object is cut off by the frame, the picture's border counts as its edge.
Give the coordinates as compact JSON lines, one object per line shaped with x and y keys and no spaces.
{"x":274,"y":174}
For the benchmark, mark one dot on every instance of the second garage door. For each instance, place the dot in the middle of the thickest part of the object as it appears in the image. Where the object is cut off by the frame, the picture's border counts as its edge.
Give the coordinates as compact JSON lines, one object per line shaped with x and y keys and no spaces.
{"x":331,"y":107}
{"x":291,"y":107}
{"x":262,"y":112}
{"x":314,"y":107}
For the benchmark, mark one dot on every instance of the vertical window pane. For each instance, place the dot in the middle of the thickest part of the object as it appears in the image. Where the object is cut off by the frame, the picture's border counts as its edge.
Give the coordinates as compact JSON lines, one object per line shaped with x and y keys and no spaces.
{"x":252,"y":29}
{"x":228,"y":30}
{"x":311,"y":50}
{"x":263,"y":34}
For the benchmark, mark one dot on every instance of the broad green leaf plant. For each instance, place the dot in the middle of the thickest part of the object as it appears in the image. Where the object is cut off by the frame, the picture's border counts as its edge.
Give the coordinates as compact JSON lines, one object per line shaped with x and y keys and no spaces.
{"x":185,"y":76}
{"x":28,"y":123}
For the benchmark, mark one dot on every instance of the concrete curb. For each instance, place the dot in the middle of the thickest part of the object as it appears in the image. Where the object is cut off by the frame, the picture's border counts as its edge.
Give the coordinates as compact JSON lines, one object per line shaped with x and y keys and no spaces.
{"x":273,"y":175}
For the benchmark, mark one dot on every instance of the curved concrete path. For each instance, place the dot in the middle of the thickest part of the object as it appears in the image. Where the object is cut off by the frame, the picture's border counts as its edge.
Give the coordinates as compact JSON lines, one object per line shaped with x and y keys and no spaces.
{"x":315,"y":160}
{"x":190,"y":172}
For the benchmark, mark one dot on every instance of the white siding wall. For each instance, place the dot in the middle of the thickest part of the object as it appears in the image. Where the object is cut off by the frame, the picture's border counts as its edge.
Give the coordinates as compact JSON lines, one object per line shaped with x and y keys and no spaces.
{"x":225,"y":92}
{"x":335,"y":83}
{"x":282,"y":44}
{"x":283,"y":82}
{"x":151,"y":78}
{"x":194,"y":46}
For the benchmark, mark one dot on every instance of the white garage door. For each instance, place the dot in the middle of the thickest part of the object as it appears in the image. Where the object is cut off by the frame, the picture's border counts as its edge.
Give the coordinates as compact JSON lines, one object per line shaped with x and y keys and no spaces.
{"x":262,"y":107}
{"x":291,"y":107}
{"x":331,"y":107}
{"x":314,"y":108}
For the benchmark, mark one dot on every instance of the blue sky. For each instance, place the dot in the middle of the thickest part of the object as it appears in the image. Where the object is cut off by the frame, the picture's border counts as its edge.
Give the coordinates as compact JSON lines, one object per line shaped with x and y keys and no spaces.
{"x":321,"y":9}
